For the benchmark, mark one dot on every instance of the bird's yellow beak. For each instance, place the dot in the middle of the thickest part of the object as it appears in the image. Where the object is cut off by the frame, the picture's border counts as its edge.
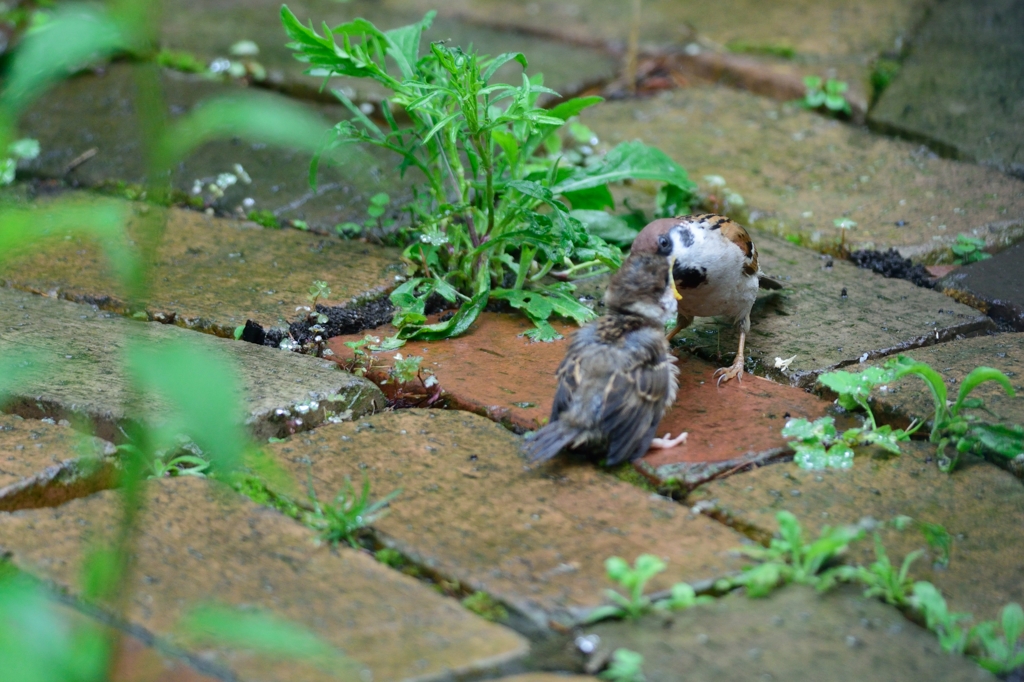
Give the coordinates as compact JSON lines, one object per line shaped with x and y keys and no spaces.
{"x":672,"y":279}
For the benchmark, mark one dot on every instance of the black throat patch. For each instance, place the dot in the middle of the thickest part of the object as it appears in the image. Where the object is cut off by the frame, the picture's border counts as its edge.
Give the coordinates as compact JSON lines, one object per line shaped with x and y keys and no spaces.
{"x":689,"y":278}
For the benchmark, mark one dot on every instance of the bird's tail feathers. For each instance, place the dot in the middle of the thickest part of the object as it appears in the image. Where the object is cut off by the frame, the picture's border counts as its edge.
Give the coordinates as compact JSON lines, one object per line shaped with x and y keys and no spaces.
{"x":548,"y":441}
{"x":766,"y":282}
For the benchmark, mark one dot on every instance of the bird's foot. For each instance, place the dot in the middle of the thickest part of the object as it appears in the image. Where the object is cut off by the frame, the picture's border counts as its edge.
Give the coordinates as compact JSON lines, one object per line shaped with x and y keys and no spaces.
{"x":668,"y":441}
{"x":733,"y":372}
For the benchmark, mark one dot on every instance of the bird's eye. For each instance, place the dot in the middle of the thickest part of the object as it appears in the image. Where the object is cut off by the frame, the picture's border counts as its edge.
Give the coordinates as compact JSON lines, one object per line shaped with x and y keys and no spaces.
{"x":664,"y":244}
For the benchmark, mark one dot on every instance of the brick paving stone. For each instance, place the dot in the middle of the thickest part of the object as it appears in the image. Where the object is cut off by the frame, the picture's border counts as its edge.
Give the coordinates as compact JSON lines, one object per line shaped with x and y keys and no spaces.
{"x":98,"y":112}
{"x":812,"y":319}
{"x":910,"y":398}
{"x":213,"y":274}
{"x":491,"y":370}
{"x":980,"y":505}
{"x":961,"y":86}
{"x":834,"y":38}
{"x":44,"y":465}
{"x":79,"y":370}
{"x":209,"y":30}
{"x":993,"y":286}
{"x":470,"y":509}
{"x":496,"y":373}
{"x":799,"y":171}
{"x":199,"y":542}
{"x":839,"y":636}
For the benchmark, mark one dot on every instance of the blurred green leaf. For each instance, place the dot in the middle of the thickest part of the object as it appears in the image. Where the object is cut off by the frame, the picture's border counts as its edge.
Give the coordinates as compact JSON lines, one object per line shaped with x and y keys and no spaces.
{"x":201,"y":389}
{"x":262,"y":633}
{"x":76,"y":35}
{"x":101,"y":220}
{"x":255,"y":117}
{"x":38,"y":643}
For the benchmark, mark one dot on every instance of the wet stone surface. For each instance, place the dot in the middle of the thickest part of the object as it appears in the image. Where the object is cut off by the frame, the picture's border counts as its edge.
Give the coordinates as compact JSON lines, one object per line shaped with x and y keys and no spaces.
{"x":79,"y":372}
{"x":831,"y":317}
{"x":911,"y":398}
{"x":841,"y":634}
{"x":209,"y":30}
{"x":961,"y":89}
{"x":980,"y":505}
{"x":994,"y":286}
{"x":470,"y":510}
{"x":200,"y":542}
{"x":98,"y":112}
{"x":799,"y":172}
{"x":44,"y":465}
{"x":213,"y":274}
{"x":493,"y":372}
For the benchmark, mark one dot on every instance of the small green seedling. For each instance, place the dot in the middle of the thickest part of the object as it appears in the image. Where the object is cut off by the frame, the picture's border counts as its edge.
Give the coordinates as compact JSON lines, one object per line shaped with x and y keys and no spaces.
{"x":486,"y":606}
{"x":968,"y":250}
{"x":950,"y":427}
{"x":625,"y":666}
{"x":927,"y":599}
{"x":404,"y":369}
{"x":881,"y":579}
{"x":831,"y":96}
{"x":632,"y":581}
{"x":1001,"y":655}
{"x":25,"y":148}
{"x":376,"y":210}
{"x":788,"y":559}
{"x":348,"y":514}
{"x":817,"y":444}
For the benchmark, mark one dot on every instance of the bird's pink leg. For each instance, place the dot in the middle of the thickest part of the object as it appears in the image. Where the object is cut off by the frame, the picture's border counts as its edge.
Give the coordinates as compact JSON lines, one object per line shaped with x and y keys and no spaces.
{"x":668,"y":441}
{"x":736,"y":370}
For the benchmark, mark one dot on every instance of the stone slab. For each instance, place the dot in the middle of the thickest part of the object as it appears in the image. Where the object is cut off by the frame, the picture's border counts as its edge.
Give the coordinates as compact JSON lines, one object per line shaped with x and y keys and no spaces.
{"x":200,"y":542}
{"x":910,"y":398}
{"x":830,"y":27}
{"x":470,"y":510}
{"x":496,"y":373}
{"x":980,"y":505}
{"x":961,"y":89}
{"x":829,"y":38}
{"x":97,"y":111}
{"x":812,"y":320}
{"x":799,"y":171}
{"x":994,"y":286}
{"x":209,"y":30}
{"x":79,"y":372}
{"x":212,"y":274}
{"x":793,"y":634}
{"x":44,"y":465}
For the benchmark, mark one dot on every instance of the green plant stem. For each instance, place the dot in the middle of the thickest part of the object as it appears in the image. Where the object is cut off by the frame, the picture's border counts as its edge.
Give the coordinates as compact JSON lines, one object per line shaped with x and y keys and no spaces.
{"x":525,"y":259}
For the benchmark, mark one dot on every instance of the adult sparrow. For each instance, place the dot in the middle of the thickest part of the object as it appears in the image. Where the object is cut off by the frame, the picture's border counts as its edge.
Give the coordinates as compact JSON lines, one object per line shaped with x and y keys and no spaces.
{"x":715,"y":269}
{"x":617,"y":377}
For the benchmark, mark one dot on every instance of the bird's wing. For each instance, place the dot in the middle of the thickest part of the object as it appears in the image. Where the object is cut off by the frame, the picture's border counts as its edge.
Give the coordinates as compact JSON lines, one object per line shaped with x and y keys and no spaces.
{"x":634,"y":399}
{"x":739,"y":236}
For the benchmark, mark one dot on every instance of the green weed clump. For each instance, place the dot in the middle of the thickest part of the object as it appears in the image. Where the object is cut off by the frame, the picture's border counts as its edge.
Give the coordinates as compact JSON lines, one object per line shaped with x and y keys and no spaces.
{"x":827,"y":95}
{"x":818,"y":445}
{"x":491,"y":215}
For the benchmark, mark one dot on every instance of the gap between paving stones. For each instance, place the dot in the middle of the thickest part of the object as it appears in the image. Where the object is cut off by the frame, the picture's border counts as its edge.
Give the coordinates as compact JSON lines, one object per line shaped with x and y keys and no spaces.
{"x":535,"y":540}
{"x":979,"y":504}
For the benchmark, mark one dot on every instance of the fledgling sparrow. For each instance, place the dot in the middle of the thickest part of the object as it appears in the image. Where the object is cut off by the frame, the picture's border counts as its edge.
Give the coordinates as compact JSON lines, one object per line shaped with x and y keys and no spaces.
{"x":715,"y":269}
{"x":617,"y":377}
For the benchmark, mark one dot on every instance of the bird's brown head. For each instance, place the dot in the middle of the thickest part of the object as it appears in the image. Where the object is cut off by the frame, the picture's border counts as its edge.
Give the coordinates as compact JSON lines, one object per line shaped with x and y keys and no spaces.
{"x":642,"y":287}
{"x":654,"y":237}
